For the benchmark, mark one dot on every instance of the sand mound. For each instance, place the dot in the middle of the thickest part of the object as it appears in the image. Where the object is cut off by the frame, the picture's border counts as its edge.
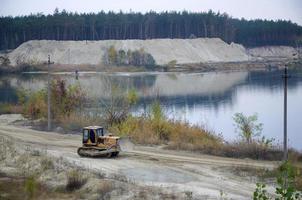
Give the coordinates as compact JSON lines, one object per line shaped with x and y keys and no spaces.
{"x":273,"y":52}
{"x":163,"y":50}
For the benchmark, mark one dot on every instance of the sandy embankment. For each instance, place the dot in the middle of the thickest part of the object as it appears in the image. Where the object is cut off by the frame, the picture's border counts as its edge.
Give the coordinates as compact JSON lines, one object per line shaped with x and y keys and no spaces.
{"x":200,"y":53}
{"x":273,"y":53}
{"x":163,"y":50}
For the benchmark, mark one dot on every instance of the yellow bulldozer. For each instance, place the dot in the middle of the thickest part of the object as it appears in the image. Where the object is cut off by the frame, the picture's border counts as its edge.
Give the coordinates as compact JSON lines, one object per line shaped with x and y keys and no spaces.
{"x":98,"y":144}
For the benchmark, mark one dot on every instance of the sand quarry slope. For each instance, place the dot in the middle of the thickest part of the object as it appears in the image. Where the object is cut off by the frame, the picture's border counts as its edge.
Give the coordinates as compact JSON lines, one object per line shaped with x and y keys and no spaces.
{"x":273,"y":52}
{"x":163,"y":50}
{"x":184,"y":51}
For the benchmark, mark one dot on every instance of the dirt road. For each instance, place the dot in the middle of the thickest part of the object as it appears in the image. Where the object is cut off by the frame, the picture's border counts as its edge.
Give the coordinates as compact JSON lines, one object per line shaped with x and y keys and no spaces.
{"x":208,"y":177}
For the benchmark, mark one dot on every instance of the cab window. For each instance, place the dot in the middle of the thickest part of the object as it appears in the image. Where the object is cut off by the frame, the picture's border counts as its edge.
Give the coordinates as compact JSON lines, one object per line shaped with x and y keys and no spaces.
{"x":92,"y":136}
{"x":100,"y":132}
{"x":85,"y":135}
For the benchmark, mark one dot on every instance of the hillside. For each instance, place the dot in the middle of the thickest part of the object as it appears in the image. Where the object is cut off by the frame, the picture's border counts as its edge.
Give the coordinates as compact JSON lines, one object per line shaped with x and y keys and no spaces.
{"x":163,"y":50}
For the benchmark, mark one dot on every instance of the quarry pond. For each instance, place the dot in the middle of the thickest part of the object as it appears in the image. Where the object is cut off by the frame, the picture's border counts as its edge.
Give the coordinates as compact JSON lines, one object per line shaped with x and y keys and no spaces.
{"x":207,"y":99}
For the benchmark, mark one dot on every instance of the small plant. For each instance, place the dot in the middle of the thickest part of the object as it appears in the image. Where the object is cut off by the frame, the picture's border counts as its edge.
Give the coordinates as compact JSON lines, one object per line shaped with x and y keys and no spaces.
{"x":286,"y":183}
{"x":266,"y":142}
{"x":112,"y":55}
{"x":132,"y":97}
{"x":247,"y":126}
{"x":172,"y":63}
{"x":159,"y":122}
{"x":260,"y":192}
{"x":36,"y":106}
{"x":189,"y":195}
{"x":285,"y":189}
{"x":75,"y":180}
{"x":223,"y":195}
{"x":31,"y":187}
{"x":47,"y":163}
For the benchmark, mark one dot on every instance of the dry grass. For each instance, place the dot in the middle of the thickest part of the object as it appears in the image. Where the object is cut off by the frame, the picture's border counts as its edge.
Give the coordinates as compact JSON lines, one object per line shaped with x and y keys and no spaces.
{"x":24,"y":188}
{"x":175,"y":134}
{"x":105,"y":187}
{"x":7,"y":108}
{"x":180,"y":135}
{"x":75,"y":180}
{"x":75,"y":121}
{"x":193,"y":138}
{"x":253,"y":150}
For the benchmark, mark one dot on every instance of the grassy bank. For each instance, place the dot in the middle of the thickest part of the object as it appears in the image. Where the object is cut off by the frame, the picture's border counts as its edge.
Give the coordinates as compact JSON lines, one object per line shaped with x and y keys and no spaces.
{"x":151,"y":128}
{"x":178,"y":135}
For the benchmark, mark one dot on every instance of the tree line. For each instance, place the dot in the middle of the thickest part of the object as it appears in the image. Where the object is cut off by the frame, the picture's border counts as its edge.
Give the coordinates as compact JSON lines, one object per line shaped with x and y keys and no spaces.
{"x":134,"y":58}
{"x":63,"y":25}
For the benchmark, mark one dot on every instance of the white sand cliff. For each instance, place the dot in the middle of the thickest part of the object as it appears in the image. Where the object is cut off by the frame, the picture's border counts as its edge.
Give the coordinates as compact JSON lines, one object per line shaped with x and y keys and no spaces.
{"x":200,"y":50}
{"x":163,"y":51}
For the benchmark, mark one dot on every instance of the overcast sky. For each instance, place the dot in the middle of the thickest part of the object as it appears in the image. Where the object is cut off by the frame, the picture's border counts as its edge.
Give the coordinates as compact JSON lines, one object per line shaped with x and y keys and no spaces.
{"x":249,"y":9}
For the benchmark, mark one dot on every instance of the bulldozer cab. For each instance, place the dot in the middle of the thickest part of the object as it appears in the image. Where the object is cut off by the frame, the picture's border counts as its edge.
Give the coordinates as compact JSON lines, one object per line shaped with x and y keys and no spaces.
{"x":91,"y":134}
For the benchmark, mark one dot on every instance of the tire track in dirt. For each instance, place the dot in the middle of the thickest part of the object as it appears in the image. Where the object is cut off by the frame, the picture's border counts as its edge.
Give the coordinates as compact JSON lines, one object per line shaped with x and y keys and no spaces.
{"x":150,"y":165}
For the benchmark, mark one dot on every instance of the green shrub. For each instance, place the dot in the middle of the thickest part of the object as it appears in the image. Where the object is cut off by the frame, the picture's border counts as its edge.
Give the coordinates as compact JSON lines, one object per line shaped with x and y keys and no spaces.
{"x":159,"y":122}
{"x":64,"y":100}
{"x":132,"y":97}
{"x":247,"y":126}
{"x":286,"y":188}
{"x":135,"y":58}
{"x":260,"y":192}
{"x":172,"y":63}
{"x":112,"y":55}
{"x":36,"y":106}
{"x":31,"y":187}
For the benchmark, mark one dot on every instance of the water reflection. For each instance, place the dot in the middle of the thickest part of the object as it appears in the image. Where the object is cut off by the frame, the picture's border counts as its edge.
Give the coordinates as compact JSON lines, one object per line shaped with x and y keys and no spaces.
{"x":200,"y":98}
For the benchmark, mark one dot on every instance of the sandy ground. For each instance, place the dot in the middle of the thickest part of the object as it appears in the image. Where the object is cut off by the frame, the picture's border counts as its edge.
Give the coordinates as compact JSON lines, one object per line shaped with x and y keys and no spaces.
{"x":206,"y":176}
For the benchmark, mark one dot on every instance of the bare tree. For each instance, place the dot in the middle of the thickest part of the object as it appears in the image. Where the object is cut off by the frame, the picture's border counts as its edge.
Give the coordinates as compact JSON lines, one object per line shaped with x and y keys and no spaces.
{"x":116,"y":104}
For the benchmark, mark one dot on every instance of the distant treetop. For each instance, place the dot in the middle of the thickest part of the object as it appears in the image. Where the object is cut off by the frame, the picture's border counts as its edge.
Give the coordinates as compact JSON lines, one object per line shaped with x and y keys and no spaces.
{"x":63,"y":25}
